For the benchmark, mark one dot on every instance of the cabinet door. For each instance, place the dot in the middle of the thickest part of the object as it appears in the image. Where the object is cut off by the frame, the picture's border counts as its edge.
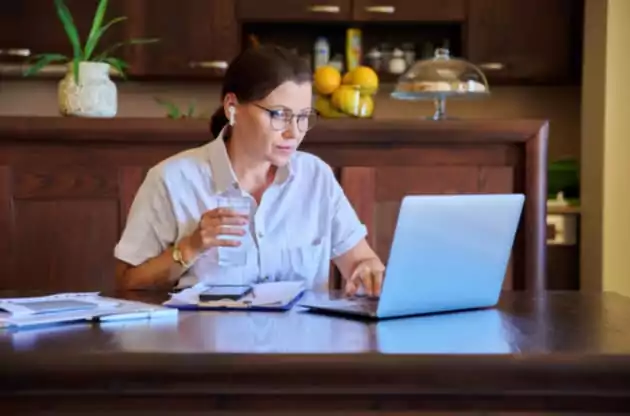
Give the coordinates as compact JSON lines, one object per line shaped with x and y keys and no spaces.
{"x":59,"y":227}
{"x":376,"y":192}
{"x":30,"y":27}
{"x":294,"y":10}
{"x":533,"y":41}
{"x":409,"y":10}
{"x":196,"y":37}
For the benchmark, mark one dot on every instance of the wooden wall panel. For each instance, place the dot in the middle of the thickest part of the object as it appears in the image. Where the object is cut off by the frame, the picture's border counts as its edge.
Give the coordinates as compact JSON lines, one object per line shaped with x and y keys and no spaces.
{"x":376,"y":193}
{"x":64,"y":244}
{"x":65,"y":226}
{"x":46,"y":183}
{"x":359,"y":185}
{"x":496,"y":179}
{"x":396,"y":182}
{"x":129,"y":180}
{"x":6,"y":224}
{"x":66,"y":185}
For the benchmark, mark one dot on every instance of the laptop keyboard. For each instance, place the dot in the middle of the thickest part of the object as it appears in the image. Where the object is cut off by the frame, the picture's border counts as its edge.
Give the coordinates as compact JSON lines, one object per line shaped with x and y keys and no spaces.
{"x":357,"y":304}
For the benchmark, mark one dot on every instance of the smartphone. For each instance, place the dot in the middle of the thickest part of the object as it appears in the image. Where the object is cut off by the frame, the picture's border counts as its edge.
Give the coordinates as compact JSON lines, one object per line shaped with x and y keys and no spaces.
{"x":218,"y":292}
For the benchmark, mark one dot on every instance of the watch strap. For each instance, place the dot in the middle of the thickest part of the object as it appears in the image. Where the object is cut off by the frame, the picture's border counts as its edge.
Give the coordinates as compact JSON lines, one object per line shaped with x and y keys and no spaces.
{"x":178,"y":257}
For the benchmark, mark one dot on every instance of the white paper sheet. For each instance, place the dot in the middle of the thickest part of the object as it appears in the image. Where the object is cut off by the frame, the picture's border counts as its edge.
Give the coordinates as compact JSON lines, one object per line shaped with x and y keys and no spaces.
{"x":71,"y":307}
{"x":264,"y":294}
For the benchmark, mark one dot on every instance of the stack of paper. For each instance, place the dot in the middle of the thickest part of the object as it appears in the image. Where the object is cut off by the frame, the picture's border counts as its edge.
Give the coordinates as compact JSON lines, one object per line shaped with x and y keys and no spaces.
{"x":265,"y":296}
{"x":73,"y":307}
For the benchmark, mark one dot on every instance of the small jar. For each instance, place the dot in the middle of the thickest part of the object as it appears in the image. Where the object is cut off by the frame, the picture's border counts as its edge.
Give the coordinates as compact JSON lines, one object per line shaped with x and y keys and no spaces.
{"x":397,"y":65}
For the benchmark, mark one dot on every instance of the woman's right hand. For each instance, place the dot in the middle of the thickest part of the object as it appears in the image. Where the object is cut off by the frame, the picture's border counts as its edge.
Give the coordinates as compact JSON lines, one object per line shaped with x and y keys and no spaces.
{"x":214,"y":224}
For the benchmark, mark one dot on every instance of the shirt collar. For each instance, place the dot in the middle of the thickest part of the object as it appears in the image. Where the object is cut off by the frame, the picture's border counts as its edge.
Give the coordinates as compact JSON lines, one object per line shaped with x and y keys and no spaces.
{"x":223,"y":175}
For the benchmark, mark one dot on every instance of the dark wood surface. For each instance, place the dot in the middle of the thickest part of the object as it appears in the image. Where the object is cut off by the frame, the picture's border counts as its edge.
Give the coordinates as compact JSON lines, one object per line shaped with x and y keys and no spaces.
{"x":560,"y":352}
{"x":66,"y":184}
{"x":532,"y":42}
{"x":409,"y":11}
{"x":200,"y":43}
{"x":503,"y":39}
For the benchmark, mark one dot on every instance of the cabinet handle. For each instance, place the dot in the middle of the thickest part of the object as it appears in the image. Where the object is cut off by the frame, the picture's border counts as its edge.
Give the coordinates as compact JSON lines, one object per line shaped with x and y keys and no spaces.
{"x":209,"y":64}
{"x":16,"y":52}
{"x":324,"y":9}
{"x":492,"y":66}
{"x":381,"y":9}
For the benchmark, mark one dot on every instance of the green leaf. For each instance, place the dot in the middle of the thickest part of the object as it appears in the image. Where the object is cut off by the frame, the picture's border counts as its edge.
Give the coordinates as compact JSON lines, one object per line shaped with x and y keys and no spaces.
{"x":41,"y":61}
{"x":98,"y":29}
{"x":118,"y":64}
{"x":111,"y":49}
{"x":95,"y":30}
{"x":73,"y":34}
{"x":172,"y":110}
{"x":89,"y":48}
{"x":191,"y":109}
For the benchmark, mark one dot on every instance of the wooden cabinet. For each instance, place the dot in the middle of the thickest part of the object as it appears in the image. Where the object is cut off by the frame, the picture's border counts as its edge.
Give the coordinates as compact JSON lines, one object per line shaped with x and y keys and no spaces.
{"x":409,"y":10}
{"x":294,"y":10}
{"x":198,"y":38}
{"x":66,"y":184}
{"x":33,"y":26}
{"x":377,"y":191}
{"x":534,"y":41}
{"x":383,"y":187}
{"x":352,"y":10}
{"x":514,"y":41}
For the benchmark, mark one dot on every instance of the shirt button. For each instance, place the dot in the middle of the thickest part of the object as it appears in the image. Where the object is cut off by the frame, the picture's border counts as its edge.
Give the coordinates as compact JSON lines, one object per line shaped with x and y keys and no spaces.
{"x":260,"y":234}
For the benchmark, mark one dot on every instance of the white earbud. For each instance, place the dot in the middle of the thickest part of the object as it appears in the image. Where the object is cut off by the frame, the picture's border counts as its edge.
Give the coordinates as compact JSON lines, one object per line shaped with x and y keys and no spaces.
{"x":231,"y":110}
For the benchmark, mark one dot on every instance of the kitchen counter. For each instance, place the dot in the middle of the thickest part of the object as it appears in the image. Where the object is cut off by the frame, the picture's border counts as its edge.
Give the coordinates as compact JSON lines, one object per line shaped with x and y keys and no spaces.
{"x":66,"y":184}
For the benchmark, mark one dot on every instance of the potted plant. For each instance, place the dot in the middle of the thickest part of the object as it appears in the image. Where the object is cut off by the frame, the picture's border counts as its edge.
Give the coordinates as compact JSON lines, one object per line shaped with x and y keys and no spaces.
{"x":87,"y":89}
{"x":173,"y":111}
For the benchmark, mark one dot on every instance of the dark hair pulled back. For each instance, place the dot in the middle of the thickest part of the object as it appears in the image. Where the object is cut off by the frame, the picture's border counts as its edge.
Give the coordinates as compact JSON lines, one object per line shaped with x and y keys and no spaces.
{"x":255,"y":73}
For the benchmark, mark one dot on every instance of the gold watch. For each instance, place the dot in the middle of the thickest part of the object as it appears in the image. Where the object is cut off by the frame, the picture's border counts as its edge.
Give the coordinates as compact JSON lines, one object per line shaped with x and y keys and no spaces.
{"x":178,"y":257}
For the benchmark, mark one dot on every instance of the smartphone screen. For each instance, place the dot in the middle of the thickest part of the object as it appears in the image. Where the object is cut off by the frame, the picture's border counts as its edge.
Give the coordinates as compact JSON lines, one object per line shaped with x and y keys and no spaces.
{"x":233,"y":292}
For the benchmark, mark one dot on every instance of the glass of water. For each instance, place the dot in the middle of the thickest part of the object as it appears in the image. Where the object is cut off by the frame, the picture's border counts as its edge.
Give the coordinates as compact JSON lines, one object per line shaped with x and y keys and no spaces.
{"x":235,"y":256}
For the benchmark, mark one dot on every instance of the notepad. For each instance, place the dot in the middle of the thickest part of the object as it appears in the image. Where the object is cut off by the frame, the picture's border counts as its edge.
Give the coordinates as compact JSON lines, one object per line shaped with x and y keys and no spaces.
{"x":74,"y":307}
{"x":271,"y":296}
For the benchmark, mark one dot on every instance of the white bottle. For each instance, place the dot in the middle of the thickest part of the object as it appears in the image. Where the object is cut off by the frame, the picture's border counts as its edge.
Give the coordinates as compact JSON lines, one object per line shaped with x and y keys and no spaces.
{"x":321,"y":53}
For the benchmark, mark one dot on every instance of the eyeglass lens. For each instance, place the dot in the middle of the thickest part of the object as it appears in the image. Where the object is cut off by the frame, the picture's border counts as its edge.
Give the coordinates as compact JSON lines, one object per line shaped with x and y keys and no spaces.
{"x":280,"y":119}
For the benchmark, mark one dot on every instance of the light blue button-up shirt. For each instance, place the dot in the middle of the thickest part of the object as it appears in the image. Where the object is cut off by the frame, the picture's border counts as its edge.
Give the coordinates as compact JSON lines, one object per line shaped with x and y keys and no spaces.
{"x":303,"y":221}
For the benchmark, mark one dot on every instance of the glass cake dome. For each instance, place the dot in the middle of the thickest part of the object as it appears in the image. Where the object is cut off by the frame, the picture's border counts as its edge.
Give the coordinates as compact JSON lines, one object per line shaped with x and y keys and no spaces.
{"x":439,"y":78}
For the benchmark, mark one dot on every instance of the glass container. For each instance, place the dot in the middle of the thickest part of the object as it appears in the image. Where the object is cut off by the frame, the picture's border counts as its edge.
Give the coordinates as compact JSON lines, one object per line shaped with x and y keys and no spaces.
{"x":441,"y":78}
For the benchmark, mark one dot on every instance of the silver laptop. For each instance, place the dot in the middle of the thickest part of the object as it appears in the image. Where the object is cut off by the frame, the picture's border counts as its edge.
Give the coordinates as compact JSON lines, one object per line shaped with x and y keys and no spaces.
{"x":449,"y":252}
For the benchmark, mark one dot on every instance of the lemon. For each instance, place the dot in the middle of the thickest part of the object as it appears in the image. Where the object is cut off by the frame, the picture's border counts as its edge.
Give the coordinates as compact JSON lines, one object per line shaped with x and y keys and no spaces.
{"x":366,"y":78}
{"x":366,"y":106}
{"x":346,"y":98}
{"x":324,"y":106}
{"x":347,"y":78}
{"x":326,"y":79}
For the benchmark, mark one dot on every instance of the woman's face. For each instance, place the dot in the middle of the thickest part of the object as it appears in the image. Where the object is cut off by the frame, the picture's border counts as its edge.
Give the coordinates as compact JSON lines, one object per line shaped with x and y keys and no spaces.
{"x":272,"y":129}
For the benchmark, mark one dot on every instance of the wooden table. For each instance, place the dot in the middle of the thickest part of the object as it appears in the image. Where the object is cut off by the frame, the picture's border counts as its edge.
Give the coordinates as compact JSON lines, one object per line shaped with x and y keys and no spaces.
{"x":560,"y":352}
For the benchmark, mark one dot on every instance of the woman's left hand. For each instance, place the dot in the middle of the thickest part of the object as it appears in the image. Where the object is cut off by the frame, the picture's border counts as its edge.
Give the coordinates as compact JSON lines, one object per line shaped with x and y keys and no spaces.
{"x":367,"y":274}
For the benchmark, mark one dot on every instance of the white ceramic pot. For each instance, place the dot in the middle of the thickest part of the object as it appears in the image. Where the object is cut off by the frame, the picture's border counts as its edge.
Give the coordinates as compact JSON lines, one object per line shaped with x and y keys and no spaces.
{"x":94,"y":96}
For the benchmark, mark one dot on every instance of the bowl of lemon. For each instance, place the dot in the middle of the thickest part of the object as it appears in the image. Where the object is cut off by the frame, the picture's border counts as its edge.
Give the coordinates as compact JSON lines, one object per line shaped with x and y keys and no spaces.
{"x":348,"y":95}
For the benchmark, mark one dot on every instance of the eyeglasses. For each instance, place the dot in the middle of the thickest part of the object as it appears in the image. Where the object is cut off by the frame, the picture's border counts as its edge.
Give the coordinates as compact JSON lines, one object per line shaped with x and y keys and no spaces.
{"x":281,"y":119}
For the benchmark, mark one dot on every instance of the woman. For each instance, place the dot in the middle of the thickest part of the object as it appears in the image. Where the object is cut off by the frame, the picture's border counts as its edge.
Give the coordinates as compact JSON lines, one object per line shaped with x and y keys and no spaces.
{"x":176,"y":231}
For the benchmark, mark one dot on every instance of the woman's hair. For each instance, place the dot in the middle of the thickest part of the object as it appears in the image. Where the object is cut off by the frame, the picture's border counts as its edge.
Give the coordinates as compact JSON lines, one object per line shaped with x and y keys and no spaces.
{"x":255,"y":73}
